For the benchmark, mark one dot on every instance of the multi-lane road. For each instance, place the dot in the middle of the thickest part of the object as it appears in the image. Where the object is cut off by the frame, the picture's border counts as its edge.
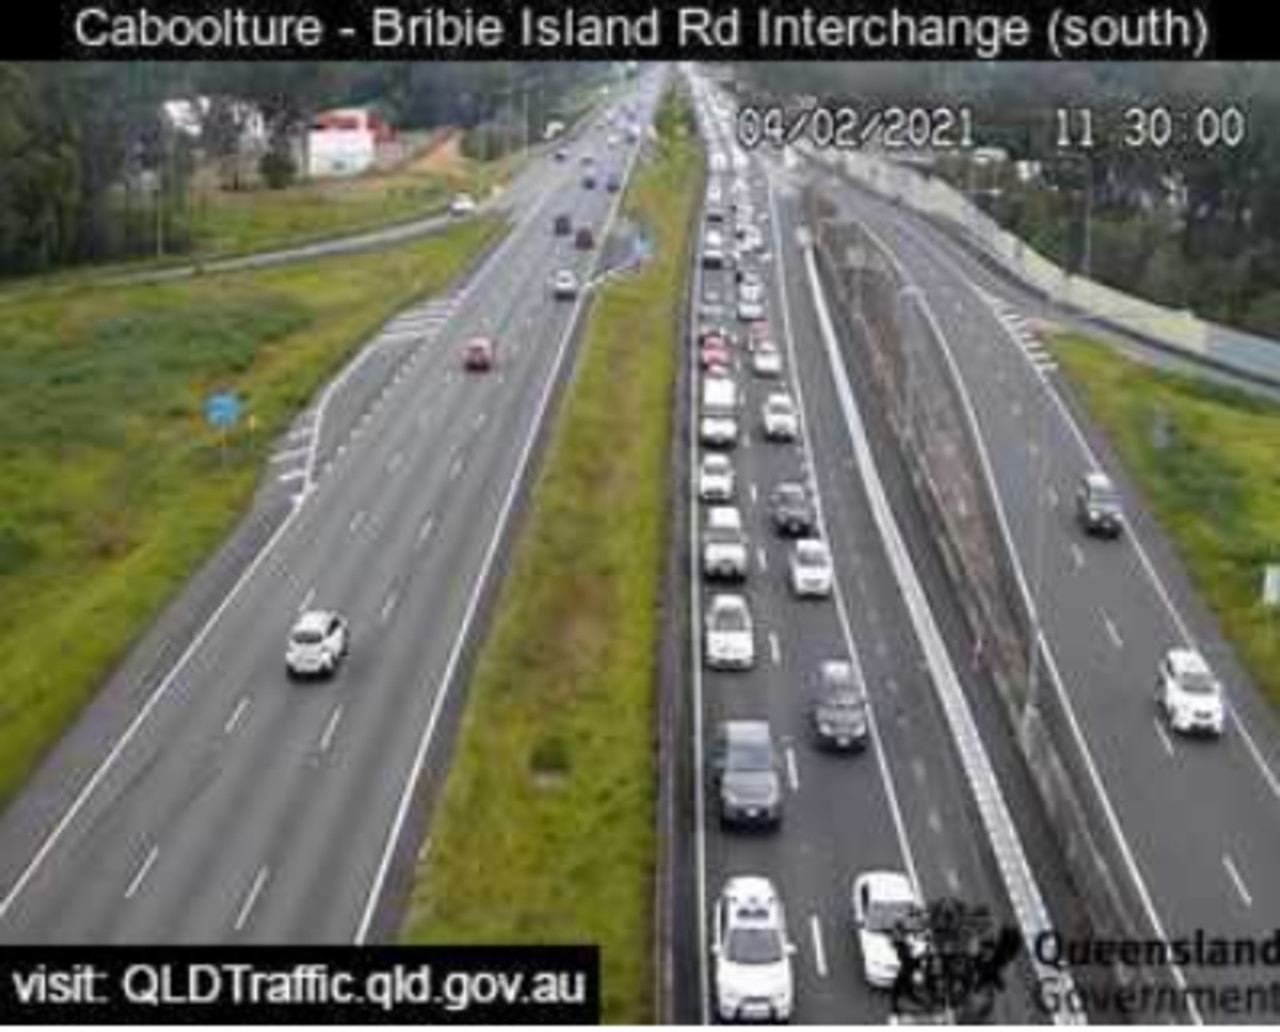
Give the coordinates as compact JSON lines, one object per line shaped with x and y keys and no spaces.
{"x":236,"y":807}
{"x":903,"y":804}
{"x":231,"y":806}
{"x":1199,"y":820}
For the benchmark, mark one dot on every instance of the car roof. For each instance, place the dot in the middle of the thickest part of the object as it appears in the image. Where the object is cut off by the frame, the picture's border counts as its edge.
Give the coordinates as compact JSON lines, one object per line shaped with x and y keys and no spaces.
{"x":812,"y":546}
{"x":1187,"y":661}
{"x":889,"y":886}
{"x":728,"y":602}
{"x":313,"y":620}
{"x":746,"y":730}
{"x":752,"y":898}
{"x":1098,"y":481}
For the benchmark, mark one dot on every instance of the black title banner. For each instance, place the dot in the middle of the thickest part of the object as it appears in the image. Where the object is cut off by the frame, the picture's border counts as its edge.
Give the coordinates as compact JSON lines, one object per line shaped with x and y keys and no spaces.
{"x":302,"y":985}
{"x":592,"y":30}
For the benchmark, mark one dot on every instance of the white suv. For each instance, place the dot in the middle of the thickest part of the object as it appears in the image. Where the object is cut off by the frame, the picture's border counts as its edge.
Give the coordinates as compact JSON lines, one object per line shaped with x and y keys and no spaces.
{"x":781,"y":421}
{"x":811,"y":568}
{"x":730,"y":634}
{"x":1189,"y":694}
{"x":715,"y":479}
{"x":317,"y":644}
{"x":752,"y":953}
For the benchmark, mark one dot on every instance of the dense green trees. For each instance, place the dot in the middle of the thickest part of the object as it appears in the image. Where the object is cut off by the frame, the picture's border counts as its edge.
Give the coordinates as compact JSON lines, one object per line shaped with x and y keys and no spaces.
{"x":1185,"y":223}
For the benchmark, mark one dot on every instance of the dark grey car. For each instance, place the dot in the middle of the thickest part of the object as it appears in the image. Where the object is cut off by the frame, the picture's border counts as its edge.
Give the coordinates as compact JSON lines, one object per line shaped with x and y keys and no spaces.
{"x":745,"y":765}
{"x":792,"y":510}
{"x":1098,"y":506}
{"x":839,"y":707}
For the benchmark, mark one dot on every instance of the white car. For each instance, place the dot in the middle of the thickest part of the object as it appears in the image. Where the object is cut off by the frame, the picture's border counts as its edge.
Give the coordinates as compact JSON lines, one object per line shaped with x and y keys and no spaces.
{"x":766,"y":360}
{"x":317,"y":644}
{"x":750,"y":311}
{"x":730,"y":634}
{"x":751,"y":953}
{"x":462,"y":204}
{"x":885,"y":908}
{"x":1189,"y":694}
{"x":811,"y":575}
{"x":725,"y":549}
{"x":781,"y":421}
{"x":718,"y":431}
{"x":564,"y":285}
{"x":715,"y":479}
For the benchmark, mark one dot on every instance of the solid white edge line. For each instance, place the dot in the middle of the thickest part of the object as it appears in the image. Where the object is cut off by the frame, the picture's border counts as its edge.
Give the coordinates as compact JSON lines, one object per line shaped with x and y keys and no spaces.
{"x":1031,"y":914}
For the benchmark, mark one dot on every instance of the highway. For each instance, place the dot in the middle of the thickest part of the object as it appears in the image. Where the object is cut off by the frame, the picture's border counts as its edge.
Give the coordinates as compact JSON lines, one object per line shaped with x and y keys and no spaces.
{"x":903,"y":804}
{"x":240,"y":808}
{"x":1199,"y":819}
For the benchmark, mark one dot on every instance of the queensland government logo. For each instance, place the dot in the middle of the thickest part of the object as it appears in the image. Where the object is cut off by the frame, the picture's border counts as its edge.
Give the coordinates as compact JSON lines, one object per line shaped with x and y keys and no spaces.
{"x":951,"y":961}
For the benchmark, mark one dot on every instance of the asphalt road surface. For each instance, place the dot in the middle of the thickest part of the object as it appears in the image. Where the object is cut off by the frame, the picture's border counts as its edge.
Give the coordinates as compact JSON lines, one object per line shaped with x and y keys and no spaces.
{"x":1199,"y":818}
{"x":901,"y":805}
{"x":239,"y":807}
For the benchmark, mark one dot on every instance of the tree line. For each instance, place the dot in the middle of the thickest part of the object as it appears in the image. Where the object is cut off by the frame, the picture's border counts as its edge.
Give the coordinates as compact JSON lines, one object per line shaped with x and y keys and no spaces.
{"x":1185,"y":222}
{"x":90,"y":170}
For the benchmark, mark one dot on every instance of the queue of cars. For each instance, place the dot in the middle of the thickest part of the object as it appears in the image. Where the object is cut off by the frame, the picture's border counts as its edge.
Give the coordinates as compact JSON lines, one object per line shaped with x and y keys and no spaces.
{"x":735,"y":357}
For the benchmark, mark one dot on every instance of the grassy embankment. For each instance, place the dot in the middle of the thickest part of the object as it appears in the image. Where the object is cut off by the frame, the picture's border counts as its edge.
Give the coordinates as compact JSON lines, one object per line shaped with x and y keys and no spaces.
{"x":1207,"y":459}
{"x":114,"y":490}
{"x":545,"y":831}
{"x":240,"y":222}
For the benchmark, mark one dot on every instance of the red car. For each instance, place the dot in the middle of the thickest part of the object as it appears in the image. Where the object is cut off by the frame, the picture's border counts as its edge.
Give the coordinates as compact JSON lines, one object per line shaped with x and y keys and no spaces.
{"x":478,"y":355}
{"x":714,"y":353}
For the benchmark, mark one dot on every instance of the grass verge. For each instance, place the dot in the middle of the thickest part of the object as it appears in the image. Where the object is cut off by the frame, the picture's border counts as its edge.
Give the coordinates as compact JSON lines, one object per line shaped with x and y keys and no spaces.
{"x":114,"y":489}
{"x":545,"y":830}
{"x":233,"y":223}
{"x":1207,"y":459}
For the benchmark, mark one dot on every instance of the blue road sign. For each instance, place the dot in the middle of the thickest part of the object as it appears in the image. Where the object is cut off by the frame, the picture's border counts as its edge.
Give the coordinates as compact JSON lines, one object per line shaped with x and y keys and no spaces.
{"x":222,"y":409}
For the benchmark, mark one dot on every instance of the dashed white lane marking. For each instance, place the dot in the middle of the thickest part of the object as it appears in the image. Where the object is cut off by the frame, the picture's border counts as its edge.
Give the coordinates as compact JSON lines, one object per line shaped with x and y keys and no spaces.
{"x":389,"y":607}
{"x":455,"y":468}
{"x":775,"y":648}
{"x":762,"y":559}
{"x":395,"y":462}
{"x":1162,"y":735}
{"x":819,"y":951}
{"x":1112,"y":632}
{"x":144,"y":869}
{"x":1234,"y":874}
{"x":917,"y":770}
{"x":952,"y":878}
{"x":1077,"y":556}
{"x":331,"y":728}
{"x":480,"y":420}
{"x":255,"y":890}
{"x":293,"y":474}
{"x":291,"y":455}
{"x":424,"y":532}
{"x":356,"y":521}
{"x":234,"y":720}
{"x":934,"y":820}
{"x":307,"y":599}
{"x":793,"y":769}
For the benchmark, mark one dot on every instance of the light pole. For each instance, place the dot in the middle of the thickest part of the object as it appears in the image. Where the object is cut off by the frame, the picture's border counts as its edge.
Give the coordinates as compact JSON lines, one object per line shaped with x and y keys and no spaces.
{"x":1086,"y":249}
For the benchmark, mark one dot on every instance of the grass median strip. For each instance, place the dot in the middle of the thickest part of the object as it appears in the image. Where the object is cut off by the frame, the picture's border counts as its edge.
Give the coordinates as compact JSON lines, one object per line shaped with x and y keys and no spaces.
{"x":115,"y":490}
{"x":545,"y":831}
{"x":1207,"y":459}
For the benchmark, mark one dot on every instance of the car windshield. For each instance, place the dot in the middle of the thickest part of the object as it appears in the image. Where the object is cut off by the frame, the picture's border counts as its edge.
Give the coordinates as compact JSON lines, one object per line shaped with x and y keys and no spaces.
{"x":814,"y":557}
{"x":750,"y":756}
{"x":1198,"y":683}
{"x":731,"y":619}
{"x":754,"y":946}
{"x":307,"y":636}
{"x":846,"y":702}
{"x":790,"y":497}
{"x":887,"y":915}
